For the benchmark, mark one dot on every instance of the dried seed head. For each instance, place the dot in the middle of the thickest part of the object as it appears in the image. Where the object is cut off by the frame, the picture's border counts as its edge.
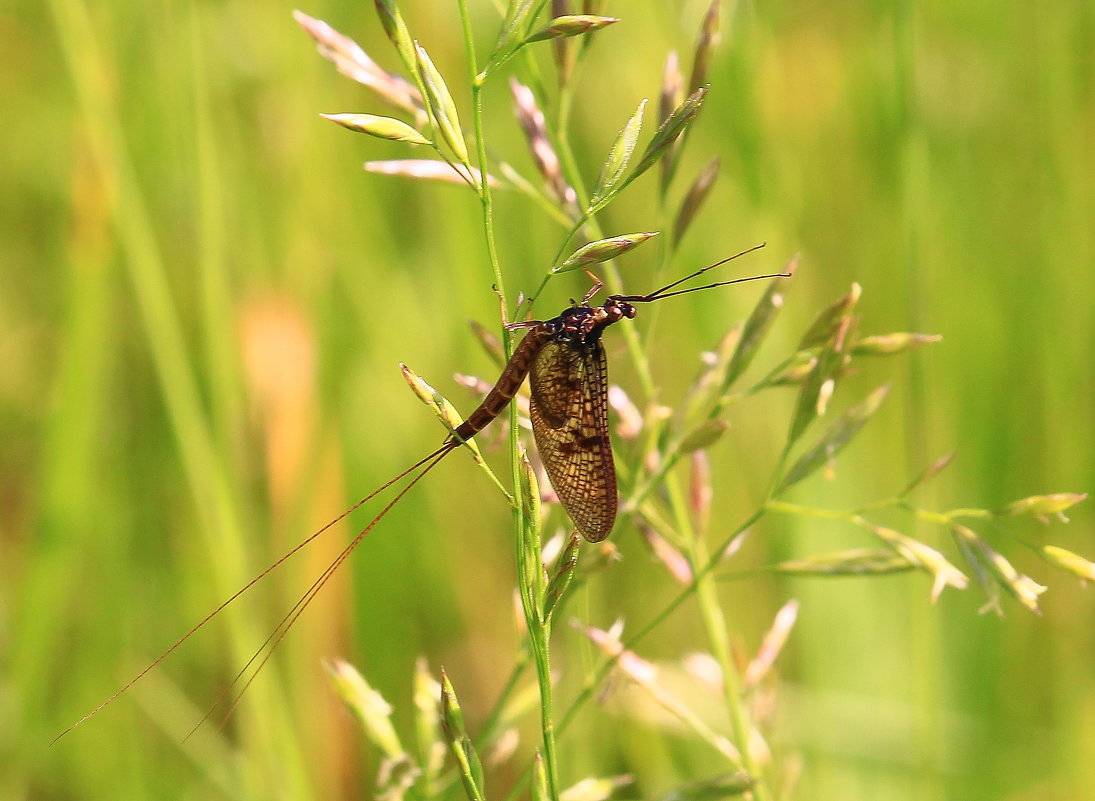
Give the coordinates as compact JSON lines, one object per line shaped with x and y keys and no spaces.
{"x":490,"y":343}
{"x":694,"y":198}
{"x":1042,"y":506}
{"x":1023,"y":588}
{"x":504,"y":747}
{"x":674,"y":561}
{"x":889,"y":344}
{"x":925,"y":558}
{"x":570,"y":25}
{"x":772,"y":645}
{"x":532,"y":123}
{"x":700,"y":492}
{"x":368,"y":705}
{"x":353,"y":62}
{"x":706,"y":43}
{"x":629,"y":420}
{"x":430,"y":170}
{"x":672,"y":87}
{"x":1067,"y":560}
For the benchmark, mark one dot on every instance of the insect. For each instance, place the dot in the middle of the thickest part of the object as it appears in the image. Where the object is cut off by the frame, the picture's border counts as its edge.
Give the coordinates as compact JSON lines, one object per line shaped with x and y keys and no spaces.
{"x":564,"y":360}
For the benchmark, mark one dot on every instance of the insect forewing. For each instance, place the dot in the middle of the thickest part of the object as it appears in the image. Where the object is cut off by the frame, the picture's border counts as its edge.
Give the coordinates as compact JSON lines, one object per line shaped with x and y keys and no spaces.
{"x":569,"y":414}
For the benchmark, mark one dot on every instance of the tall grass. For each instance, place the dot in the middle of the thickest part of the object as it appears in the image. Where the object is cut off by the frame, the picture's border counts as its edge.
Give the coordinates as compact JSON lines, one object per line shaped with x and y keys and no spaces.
{"x":204,"y":302}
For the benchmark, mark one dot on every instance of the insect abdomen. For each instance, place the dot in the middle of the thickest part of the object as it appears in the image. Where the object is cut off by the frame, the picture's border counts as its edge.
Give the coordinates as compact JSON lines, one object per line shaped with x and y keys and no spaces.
{"x":506,"y":387}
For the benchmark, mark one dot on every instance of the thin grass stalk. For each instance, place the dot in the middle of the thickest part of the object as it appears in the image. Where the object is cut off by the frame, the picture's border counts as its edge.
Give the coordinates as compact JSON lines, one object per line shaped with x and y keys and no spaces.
{"x":525,"y":538}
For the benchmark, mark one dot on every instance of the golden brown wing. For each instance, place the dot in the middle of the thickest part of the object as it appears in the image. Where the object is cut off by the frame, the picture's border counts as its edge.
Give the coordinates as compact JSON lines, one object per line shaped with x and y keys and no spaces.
{"x":570,"y":422}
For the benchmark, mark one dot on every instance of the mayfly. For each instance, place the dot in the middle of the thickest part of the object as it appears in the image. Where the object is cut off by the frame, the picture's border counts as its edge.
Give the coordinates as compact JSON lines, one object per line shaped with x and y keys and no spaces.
{"x":565,"y":363}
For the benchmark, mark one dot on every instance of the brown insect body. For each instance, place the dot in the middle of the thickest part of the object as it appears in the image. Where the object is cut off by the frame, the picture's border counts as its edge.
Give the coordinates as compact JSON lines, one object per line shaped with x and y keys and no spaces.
{"x":568,"y":377}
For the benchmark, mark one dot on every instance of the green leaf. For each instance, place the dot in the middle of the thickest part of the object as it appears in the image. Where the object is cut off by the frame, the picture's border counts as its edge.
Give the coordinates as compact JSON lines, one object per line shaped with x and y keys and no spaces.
{"x":563,"y":574}
{"x":532,"y":489}
{"x":380,"y":127}
{"x":603,"y":250}
{"x":396,"y":30}
{"x":619,"y":156}
{"x":677,"y":123}
{"x":441,"y":105}
{"x":760,"y":320}
{"x":570,"y":25}
{"x":704,"y":435}
{"x":694,"y":199}
{"x":516,"y":21}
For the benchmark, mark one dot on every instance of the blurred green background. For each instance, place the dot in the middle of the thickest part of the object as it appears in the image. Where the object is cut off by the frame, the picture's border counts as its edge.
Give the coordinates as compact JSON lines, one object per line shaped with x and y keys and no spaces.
{"x":203,"y":300}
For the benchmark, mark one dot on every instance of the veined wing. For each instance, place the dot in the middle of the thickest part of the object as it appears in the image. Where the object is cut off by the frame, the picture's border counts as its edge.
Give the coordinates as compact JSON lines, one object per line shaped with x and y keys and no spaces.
{"x":569,"y":413}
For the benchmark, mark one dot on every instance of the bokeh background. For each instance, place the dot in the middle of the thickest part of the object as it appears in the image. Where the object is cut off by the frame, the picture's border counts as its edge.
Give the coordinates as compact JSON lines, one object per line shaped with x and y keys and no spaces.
{"x":203,"y":299}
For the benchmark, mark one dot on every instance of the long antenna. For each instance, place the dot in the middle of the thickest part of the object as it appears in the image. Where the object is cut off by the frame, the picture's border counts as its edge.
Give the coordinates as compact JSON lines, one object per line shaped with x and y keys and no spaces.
{"x":658,"y":294}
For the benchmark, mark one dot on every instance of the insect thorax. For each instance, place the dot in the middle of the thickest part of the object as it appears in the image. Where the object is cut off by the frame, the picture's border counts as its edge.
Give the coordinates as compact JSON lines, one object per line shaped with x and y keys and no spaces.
{"x":584,"y":324}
